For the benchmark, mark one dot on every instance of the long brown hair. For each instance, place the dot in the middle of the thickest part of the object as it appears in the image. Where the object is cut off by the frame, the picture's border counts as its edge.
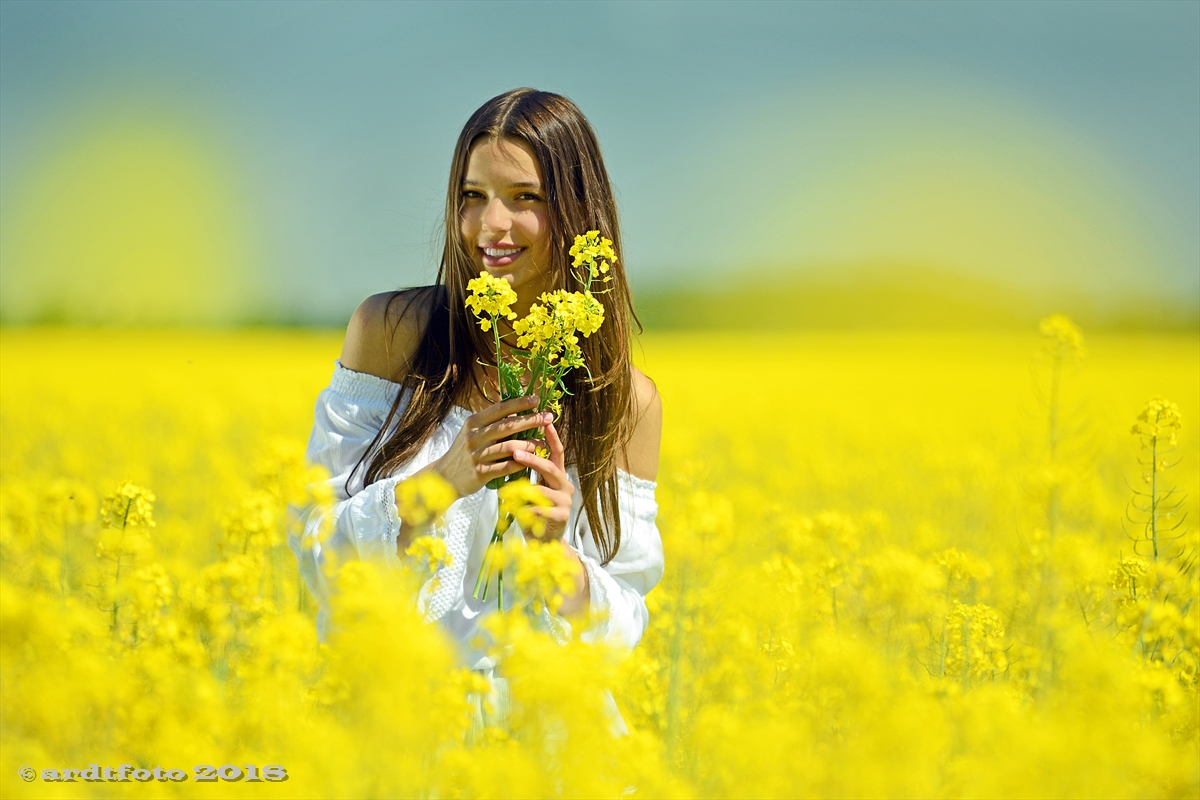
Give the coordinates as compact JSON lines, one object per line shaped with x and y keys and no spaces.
{"x":597,"y":417}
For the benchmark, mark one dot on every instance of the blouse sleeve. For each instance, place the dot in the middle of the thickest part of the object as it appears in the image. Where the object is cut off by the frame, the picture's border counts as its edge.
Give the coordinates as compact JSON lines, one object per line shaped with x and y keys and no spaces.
{"x":619,"y":588}
{"x":363,"y":524}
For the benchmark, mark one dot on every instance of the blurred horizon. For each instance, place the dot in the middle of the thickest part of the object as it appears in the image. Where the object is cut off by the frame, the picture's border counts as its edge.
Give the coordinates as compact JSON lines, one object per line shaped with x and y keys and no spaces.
{"x":847,"y":298}
{"x":778,"y":165}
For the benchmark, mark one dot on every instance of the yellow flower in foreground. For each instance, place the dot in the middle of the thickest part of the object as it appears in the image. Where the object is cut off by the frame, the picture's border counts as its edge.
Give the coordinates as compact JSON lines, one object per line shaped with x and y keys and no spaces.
{"x":491,"y":296}
{"x":130,"y":506}
{"x":430,"y":552}
{"x":519,"y":499}
{"x":1069,"y":666}
{"x":544,"y":572}
{"x":423,"y":498}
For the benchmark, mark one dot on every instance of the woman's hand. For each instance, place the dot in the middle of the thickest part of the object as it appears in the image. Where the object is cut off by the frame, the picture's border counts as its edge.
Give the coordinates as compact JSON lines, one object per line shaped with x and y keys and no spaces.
{"x":552,"y":482}
{"x":482,"y":449}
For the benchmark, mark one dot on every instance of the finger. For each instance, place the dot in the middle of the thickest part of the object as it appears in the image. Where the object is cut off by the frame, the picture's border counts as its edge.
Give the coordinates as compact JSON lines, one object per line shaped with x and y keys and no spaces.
{"x":561,"y":500}
{"x":505,"y":408}
{"x":499,"y":469}
{"x":558,"y":515}
{"x":556,"y":522}
{"x":552,"y":475}
{"x":555,"y":446}
{"x":510,"y":426}
{"x":502,"y":451}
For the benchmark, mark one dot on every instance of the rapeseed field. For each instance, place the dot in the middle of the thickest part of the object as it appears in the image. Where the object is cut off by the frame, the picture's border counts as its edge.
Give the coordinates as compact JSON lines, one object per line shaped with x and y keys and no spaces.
{"x":897,"y":564}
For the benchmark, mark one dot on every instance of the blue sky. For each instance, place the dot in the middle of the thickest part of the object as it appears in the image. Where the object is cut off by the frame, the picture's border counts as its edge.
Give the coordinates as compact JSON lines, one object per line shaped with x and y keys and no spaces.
{"x":1041,"y":144}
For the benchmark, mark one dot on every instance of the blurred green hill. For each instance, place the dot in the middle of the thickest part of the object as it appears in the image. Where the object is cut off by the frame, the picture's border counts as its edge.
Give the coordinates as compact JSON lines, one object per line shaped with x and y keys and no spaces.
{"x":893,"y":297}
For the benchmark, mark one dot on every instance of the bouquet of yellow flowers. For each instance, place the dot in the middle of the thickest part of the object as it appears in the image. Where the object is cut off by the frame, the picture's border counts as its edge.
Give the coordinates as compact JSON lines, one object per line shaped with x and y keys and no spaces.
{"x":546,"y":349}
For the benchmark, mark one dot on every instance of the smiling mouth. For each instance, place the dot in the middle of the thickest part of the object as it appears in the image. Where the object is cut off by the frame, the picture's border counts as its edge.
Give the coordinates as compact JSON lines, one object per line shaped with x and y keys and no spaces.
{"x":500,"y":256}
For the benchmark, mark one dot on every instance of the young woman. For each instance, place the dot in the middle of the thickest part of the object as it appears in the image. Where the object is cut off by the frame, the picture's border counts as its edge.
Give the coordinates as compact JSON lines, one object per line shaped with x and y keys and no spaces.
{"x":410,"y":395}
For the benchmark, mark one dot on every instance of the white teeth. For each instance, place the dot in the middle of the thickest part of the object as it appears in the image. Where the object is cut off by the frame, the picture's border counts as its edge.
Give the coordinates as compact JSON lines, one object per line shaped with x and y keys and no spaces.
{"x":501,"y":253}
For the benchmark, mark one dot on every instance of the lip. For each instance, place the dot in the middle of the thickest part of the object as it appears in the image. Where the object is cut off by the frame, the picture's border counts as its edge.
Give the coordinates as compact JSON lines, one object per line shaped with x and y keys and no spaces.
{"x":500,"y":261}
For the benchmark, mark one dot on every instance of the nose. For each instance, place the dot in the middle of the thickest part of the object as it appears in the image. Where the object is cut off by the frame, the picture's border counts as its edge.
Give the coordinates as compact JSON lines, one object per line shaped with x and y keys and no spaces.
{"x":496,"y":218}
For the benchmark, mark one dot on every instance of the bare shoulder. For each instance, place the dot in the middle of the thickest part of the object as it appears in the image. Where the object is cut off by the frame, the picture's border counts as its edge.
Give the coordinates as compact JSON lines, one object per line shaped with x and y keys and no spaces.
{"x":385,"y":331}
{"x":640,"y":457}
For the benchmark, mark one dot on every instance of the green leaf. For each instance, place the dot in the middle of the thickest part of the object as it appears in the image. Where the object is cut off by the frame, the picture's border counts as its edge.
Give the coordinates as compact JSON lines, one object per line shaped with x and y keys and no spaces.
{"x":510,"y":382}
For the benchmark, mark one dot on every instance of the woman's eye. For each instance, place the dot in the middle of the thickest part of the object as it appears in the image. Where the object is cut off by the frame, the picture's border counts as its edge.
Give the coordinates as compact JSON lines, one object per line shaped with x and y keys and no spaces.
{"x":471,"y":194}
{"x":529,"y":196}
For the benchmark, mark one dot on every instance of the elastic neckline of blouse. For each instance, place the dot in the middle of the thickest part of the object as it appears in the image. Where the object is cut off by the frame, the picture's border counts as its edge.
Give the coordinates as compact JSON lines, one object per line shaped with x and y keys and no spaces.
{"x":371,"y":387}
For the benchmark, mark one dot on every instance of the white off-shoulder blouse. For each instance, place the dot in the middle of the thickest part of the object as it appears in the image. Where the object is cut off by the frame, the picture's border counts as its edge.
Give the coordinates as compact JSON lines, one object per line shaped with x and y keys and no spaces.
{"x":349,"y":413}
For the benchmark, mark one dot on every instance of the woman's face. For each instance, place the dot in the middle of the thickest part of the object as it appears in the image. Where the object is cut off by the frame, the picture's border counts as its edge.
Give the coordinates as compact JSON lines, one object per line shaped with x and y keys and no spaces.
{"x":505,"y":218}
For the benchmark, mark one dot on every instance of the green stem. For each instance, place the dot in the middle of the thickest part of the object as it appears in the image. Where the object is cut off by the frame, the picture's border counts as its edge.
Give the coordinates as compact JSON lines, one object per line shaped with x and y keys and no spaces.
{"x":496,"y":336}
{"x":116,"y":609}
{"x":483,"y":581}
{"x":536,"y":369}
{"x":485,"y":570}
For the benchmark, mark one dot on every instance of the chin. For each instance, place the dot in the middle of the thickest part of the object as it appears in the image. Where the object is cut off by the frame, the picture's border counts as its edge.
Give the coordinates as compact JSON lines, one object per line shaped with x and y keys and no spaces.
{"x":521,"y":275}
{"x":516,"y":274}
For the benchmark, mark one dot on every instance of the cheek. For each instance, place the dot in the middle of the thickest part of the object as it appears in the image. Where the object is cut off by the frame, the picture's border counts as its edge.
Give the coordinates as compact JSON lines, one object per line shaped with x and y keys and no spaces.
{"x":537,"y":229}
{"x":468,"y":225}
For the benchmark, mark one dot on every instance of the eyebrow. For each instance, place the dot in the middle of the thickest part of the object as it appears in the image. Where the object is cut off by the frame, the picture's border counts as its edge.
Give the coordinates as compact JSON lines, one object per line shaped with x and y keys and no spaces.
{"x":526,"y":185}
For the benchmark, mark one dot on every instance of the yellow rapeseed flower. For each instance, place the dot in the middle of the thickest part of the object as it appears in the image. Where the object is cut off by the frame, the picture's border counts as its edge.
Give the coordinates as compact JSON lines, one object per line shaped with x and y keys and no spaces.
{"x":491,"y":296}
{"x":974,"y":642}
{"x":429,"y":552}
{"x":593,"y":251}
{"x":829,"y":636}
{"x":152,"y":591}
{"x":587,"y":311}
{"x":518,"y":499}
{"x":1159,"y":422}
{"x":544,"y":572}
{"x":1061,"y":336}
{"x":130,"y":506}
{"x":423,"y":498}
{"x":548,"y":330}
